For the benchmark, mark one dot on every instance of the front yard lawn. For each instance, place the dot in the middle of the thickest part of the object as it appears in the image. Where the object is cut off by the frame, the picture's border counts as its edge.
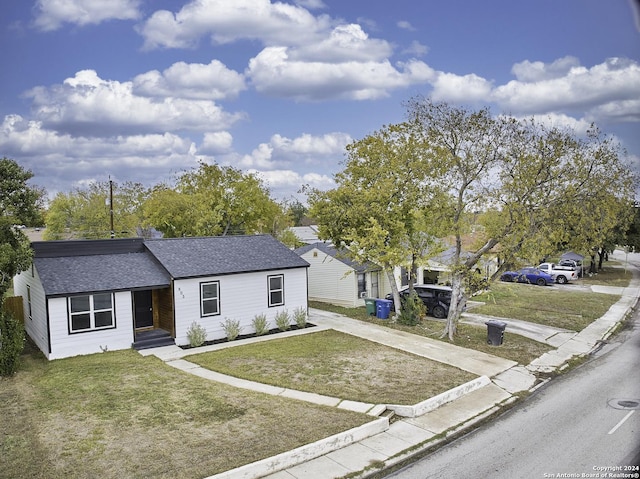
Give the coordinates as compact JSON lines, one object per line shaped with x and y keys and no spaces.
{"x":118,"y":414}
{"x":516,"y":348}
{"x":552,"y":306}
{"x":339,"y":365}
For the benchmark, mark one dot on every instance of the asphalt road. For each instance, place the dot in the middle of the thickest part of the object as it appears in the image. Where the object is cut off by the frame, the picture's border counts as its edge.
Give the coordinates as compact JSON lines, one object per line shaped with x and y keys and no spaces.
{"x":577,"y":425}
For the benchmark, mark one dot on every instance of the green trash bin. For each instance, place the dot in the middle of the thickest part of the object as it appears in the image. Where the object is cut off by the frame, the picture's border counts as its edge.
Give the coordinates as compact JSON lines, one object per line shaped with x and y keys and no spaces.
{"x":370,"y":303}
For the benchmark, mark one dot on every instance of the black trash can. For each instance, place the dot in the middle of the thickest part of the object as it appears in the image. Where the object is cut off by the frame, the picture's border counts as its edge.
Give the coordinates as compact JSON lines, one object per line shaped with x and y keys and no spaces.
{"x":495,"y":332}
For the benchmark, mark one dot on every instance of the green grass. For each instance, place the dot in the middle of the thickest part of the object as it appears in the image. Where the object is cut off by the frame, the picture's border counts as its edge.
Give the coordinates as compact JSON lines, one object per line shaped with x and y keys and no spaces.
{"x":516,"y":348}
{"x":339,"y":365}
{"x":118,"y":414}
{"x":558,"y":307}
{"x":612,"y":274}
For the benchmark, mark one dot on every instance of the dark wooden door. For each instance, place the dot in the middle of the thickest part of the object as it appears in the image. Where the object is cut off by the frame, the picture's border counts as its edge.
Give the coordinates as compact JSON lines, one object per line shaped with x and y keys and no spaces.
{"x":143,"y":309}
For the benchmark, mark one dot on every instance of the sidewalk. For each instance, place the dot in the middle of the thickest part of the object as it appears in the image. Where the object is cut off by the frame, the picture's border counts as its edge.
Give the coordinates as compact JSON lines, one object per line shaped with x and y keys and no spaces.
{"x":383,"y":443}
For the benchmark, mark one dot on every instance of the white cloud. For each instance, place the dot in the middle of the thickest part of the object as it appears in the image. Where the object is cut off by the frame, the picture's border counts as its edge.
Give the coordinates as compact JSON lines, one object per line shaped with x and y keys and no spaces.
{"x":562,"y":122}
{"x":191,"y":80}
{"x":343,"y":43}
{"x":416,"y":49}
{"x":274,"y":73}
{"x":311,"y":4}
{"x":224,"y":21}
{"x":216,"y":143}
{"x":88,"y":105}
{"x":61,"y":160}
{"x":527,"y":71}
{"x":615,"y":80}
{"x":286,"y":183}
{"x":51,"y":14}
{"x":308,"y":149}
{"x":455,"y":88}
{"x":403,"y":24}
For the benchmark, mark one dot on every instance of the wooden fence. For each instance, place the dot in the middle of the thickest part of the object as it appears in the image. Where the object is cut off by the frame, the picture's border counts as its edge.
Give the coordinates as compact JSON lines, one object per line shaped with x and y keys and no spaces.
{"x":14,"y":306}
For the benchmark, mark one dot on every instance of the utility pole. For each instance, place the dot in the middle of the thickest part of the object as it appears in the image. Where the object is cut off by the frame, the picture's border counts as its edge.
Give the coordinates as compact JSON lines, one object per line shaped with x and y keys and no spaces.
{"x":113,"y":233}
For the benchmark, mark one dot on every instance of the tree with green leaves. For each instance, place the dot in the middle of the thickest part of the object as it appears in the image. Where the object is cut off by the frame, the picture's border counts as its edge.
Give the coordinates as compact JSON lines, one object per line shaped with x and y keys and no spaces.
{"x":381,"y":209}
{"x":213,"y":200}
{"x":86,"y":213}
{"x":448,"y":170}
{"x":536,"y":182}
{"x":20,"y":204}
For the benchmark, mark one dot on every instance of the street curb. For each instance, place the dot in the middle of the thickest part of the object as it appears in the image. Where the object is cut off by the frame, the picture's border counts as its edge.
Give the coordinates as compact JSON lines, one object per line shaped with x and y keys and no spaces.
{"x":305,"y":453}
{"x":442,"y":398}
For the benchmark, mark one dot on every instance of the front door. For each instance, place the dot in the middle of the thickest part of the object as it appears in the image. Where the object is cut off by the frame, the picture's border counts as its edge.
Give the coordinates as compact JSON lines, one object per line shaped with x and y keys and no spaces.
{"x":143,"y":309}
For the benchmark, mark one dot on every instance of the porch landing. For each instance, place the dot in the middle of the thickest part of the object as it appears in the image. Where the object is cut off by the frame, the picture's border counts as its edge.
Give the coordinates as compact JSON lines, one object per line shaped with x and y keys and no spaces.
{"x":152,"y":338}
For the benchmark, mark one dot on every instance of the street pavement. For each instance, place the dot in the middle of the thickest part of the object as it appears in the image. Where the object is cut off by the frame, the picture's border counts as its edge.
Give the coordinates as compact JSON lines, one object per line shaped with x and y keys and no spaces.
{"x":384,"y":443}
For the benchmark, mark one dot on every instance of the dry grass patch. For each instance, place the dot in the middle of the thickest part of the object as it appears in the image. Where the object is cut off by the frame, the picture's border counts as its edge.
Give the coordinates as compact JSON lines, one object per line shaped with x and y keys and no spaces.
{"x":119,"y":414}
{"x":558,"y":307}
{"x":339,"y":365}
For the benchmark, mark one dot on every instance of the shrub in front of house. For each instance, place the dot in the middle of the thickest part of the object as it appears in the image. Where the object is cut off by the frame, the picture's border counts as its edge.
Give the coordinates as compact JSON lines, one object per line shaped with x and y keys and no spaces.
{"x":260,"y":324}
{"x":196,"y":334}
{"x":11,"y":343}
{"x":231,"y":328}
{"x":283,"y":320}
{"x":300,"y":317}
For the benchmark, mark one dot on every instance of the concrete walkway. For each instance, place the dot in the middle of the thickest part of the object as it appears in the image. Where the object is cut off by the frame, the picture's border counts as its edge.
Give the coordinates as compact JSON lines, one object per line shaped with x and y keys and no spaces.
{"x":384,"y":443}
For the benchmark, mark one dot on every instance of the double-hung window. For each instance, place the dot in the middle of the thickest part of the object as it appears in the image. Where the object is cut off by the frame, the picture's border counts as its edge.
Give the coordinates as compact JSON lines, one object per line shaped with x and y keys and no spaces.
{"x":91,"y":312}
{"x":276,"y":290}
{"x":210,"y":298}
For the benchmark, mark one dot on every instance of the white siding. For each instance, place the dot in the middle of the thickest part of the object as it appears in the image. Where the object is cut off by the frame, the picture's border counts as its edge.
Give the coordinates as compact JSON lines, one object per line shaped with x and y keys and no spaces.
{"x":36,"y":326}
{"x":242,"y":297}
{"x":332,"y":281}
{"x":64,"y":344}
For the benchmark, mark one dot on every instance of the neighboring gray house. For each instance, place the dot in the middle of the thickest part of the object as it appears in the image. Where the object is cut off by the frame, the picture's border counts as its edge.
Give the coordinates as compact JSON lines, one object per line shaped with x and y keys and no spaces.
{"x":87,"y":296}
{"x":335,"y":279}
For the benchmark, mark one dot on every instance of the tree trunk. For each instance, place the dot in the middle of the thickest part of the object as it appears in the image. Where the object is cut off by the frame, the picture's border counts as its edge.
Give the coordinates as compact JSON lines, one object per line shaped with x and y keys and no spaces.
{"x":602,"y":253}
{"x":458,"y":301}
{"x":394,"y":289}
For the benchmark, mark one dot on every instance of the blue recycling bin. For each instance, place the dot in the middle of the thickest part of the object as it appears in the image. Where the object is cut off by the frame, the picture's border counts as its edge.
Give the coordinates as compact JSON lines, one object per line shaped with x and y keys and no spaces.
{"x":383,"y":307}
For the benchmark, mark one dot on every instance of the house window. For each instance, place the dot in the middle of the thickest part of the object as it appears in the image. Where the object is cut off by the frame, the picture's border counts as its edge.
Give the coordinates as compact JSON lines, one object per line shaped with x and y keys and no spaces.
{"x":210,"y":298}
{"x":362,"y":285}
{"x":91,"y":312}
{"x":29,"y":301}
{"x":276,"y":290}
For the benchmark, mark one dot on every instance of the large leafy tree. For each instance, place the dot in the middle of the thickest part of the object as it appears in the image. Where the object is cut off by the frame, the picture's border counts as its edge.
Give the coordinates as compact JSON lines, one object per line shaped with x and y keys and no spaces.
{"x":538,"y":182}
{"x":87,"y":212}
{"x":381,"y":209}
{"x":213,"y":200}
{"x":20,"y":203}
{"x":446,"y":168}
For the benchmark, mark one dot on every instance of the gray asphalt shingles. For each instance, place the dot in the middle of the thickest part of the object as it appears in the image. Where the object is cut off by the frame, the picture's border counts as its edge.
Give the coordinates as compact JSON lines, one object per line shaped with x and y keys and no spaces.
{"x":107,"y":272}
{"x":218,"y":255}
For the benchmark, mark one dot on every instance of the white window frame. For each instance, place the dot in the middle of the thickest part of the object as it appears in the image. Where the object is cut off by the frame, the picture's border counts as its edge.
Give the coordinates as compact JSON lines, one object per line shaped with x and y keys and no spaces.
{"x":29,"y":301}
{"x":91,"y":312}
{"x":215,"y":299}
{"x":270,"y":290}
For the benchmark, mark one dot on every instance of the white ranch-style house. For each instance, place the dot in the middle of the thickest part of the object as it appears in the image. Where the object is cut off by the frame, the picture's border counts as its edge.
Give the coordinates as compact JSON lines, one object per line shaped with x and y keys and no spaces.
{"x":88,"y":296}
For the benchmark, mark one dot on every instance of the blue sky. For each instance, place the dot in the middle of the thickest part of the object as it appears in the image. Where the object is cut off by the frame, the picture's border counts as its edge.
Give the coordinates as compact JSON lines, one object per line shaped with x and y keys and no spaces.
{"x":141,"y":90}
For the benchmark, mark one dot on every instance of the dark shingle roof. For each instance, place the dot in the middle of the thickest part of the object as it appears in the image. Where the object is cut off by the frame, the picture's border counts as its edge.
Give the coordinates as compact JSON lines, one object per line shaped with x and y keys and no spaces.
{"x":104,"y":272}
{"x":339,"y":255}
{"x":217,"y":255}
{"x":86,"y":266}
